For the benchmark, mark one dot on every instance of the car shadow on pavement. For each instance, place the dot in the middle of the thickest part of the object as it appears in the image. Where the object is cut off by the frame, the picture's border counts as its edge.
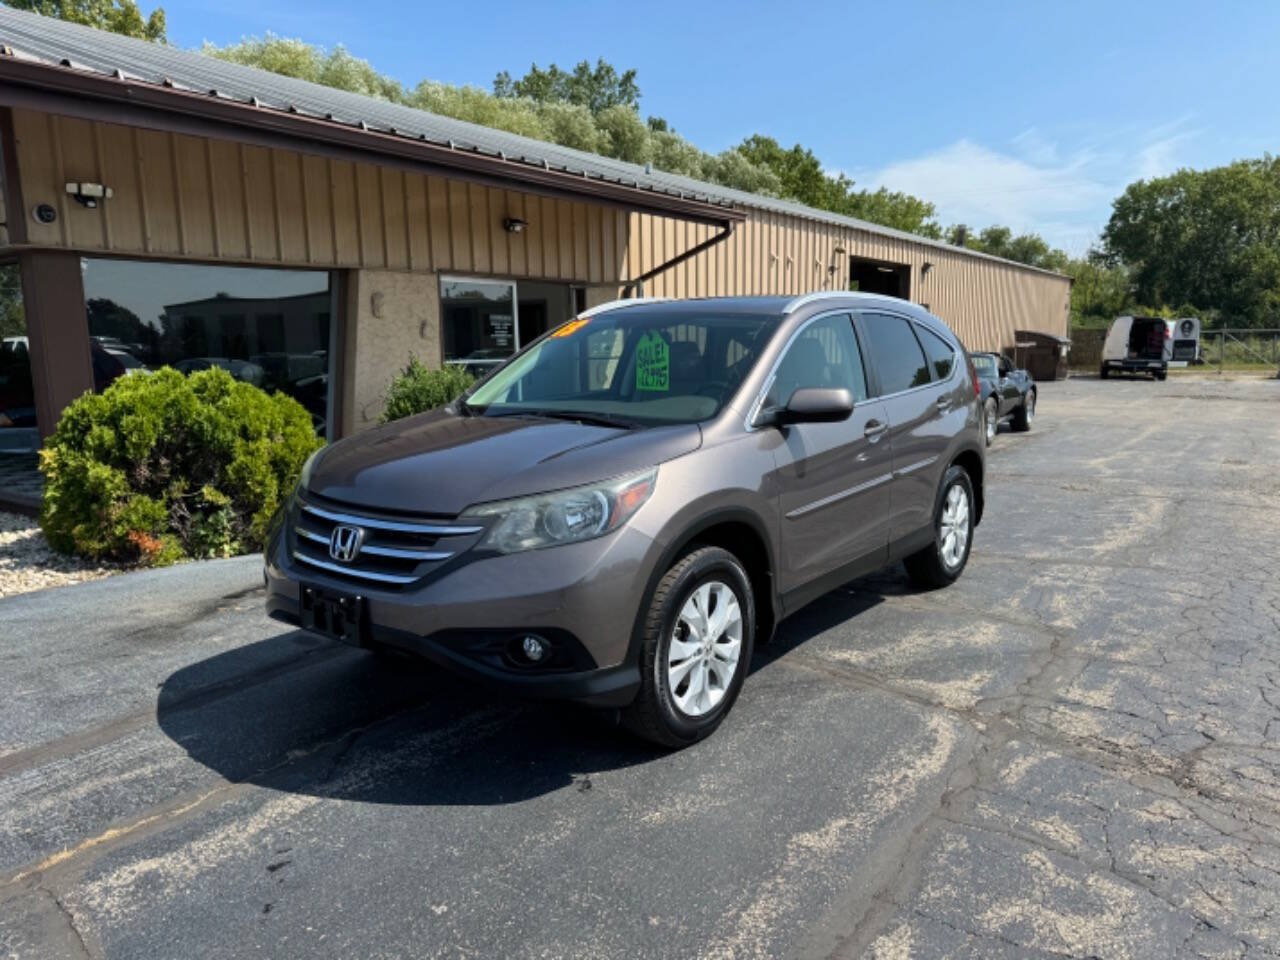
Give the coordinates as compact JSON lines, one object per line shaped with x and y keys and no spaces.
{"x":301,"y":714}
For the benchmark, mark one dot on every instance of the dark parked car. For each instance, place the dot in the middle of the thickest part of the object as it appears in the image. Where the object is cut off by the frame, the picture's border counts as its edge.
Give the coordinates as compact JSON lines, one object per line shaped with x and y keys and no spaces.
{"x":1007,"y":393}
{"x":621,"y":510}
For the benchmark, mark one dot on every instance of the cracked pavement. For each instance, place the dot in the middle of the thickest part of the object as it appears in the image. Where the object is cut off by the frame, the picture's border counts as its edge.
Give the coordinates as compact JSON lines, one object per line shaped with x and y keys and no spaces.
{"x":1070,"y":753}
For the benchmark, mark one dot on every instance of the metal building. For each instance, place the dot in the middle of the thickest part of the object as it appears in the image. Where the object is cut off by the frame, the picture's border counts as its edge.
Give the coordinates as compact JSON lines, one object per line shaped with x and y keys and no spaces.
{"x":163,"y":207}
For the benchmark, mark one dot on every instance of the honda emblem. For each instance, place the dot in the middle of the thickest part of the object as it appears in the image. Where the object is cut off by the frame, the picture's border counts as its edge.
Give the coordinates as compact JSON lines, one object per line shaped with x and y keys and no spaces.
{"x":344,"y":542}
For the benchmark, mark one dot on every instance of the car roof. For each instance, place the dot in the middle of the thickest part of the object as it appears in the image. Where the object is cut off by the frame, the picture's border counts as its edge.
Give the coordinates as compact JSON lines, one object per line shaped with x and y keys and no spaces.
{"x":776,"y":304}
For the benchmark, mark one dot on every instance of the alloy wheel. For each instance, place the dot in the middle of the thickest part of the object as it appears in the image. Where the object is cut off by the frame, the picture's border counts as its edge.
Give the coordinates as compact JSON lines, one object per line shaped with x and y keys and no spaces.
{"x":953,"y":526}
{"x":706,"y":646}
{"x":1030,"y":403}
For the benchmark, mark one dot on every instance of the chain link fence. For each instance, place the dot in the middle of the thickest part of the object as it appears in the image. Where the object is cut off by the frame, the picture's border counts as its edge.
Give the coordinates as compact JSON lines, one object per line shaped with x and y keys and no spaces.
{"x":1241,"y":349}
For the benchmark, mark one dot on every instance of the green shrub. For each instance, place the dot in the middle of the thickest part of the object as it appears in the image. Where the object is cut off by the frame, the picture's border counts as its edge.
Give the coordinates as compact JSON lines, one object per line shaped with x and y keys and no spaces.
{"x":417,"y":389}
{"x":161,"y":467}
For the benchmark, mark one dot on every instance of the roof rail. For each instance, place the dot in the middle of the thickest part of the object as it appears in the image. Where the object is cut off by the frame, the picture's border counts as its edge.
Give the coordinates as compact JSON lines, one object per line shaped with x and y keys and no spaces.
{"x":800,"y":301}
{"x":615,"y":304}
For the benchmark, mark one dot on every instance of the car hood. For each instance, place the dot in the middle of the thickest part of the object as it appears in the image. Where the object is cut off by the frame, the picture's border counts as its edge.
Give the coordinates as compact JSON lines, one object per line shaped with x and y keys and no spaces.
{"x":440,"y":463}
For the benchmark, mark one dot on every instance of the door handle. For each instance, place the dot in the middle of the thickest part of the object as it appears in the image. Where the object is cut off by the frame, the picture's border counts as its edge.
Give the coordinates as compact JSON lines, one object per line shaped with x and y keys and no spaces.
{"x":943,"y":402}
{"x":874,"y":430}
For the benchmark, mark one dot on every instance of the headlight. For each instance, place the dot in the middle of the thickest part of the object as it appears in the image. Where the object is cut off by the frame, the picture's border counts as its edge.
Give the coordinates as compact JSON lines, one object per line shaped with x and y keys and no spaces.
{"x":565,"y":516}
{"x":304,"y":478}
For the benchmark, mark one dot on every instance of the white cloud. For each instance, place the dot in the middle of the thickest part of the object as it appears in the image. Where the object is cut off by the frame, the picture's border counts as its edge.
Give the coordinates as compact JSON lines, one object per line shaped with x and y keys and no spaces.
{"x":1159,"y":157}
{"x":1034,"y":185}
{"x":1035,"y":148}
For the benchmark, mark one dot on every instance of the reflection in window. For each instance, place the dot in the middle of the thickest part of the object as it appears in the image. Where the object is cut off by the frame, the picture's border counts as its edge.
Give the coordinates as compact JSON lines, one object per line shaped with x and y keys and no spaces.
{"x":825,"y":354}
{"x":269,"y":328}
{"x":940,"y":353}
{"x":18,"y":431}
{"x":479,"y":323}
{"x":895,"y":351}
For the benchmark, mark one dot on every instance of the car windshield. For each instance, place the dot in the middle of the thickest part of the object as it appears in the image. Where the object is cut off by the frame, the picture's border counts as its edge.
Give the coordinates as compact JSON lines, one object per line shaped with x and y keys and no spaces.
{"x":127,"y":360}
{"x":986,"y":366}
{"x":629,"y":367}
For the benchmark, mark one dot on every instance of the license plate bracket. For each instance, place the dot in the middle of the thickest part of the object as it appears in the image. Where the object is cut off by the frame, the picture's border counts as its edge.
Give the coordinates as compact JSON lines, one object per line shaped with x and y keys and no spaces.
{"x":342,"y":616}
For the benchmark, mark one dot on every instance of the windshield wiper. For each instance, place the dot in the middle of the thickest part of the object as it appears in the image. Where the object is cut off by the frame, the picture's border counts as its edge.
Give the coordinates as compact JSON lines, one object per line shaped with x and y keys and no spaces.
{"x":584,"y":416}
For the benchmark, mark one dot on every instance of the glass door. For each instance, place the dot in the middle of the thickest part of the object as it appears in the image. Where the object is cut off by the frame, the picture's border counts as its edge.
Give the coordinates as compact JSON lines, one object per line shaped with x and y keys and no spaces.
{"x":480,"y":321}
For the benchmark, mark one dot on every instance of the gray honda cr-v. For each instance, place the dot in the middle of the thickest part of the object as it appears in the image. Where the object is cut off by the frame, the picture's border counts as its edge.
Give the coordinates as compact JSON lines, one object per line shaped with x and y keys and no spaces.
{"x":621,"y":510}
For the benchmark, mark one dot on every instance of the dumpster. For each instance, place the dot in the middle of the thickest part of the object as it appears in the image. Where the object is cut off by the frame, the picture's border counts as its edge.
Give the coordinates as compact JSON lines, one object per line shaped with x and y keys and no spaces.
{"x":1043,"y":355}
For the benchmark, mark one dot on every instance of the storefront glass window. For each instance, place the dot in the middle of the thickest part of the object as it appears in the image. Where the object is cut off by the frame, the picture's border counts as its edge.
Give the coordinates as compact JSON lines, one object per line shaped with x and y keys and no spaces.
{"x":265,"y":327}
{"x":18,"y":433}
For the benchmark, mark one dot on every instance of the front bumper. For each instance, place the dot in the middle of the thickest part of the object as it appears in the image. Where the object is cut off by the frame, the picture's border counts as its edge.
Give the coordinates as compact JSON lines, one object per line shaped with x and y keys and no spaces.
{"x":1137,"y":366}
{"x":584,"y":597}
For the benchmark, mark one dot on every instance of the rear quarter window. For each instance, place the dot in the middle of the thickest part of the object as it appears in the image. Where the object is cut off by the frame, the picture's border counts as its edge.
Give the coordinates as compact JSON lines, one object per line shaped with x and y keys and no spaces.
{"x":942,"y":357}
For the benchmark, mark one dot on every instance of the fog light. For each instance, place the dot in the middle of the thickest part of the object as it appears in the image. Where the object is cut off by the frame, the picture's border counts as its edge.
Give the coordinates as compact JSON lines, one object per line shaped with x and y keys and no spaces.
{"x":533,"y":648}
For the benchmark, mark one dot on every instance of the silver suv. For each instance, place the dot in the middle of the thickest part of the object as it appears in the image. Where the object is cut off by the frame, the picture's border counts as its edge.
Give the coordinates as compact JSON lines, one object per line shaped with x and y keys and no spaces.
{"x":621,"y":510}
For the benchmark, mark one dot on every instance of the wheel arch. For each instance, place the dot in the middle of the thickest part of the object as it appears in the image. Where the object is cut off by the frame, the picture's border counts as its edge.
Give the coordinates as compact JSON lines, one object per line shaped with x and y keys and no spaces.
{"x":741,"y":533}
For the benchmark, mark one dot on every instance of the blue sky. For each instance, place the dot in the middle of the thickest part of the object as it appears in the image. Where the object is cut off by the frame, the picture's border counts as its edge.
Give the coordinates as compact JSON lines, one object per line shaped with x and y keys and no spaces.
{"x":1034,"y":115}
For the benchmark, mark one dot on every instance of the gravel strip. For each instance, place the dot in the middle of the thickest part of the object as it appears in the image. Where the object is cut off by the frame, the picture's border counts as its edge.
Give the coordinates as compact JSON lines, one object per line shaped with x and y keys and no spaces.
{"x":27,"y":562}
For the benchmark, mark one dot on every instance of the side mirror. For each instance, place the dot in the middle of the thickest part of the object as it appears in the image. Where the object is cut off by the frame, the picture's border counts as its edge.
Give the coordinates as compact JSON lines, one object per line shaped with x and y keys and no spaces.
{"x":817,"y":405}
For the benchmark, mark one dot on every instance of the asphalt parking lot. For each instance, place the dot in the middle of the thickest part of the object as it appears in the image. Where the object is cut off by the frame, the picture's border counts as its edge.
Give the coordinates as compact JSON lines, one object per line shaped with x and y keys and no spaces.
{"x":1071,"y":752}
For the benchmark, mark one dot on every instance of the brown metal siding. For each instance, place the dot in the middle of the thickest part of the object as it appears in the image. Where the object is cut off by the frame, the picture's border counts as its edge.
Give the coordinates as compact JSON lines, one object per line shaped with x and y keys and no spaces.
{"x":984,"y":301}
{"x":186,"y":197}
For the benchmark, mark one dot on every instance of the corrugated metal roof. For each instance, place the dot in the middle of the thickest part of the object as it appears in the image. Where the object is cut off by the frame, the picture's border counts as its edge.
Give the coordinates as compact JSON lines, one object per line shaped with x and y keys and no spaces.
{"x":52,"y":41}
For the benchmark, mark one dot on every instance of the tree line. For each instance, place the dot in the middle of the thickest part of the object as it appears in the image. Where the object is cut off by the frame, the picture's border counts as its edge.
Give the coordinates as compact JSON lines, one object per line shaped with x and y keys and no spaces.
{"x":1203,"y":243}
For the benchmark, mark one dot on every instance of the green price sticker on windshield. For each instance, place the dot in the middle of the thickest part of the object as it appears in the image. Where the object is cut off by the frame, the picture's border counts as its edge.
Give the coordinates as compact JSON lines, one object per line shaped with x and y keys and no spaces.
{"x":653,"y":363}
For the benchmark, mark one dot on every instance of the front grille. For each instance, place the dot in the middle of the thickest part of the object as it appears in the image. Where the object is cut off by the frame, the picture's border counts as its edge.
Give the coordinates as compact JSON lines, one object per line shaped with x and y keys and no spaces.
{"x":390,"y":552}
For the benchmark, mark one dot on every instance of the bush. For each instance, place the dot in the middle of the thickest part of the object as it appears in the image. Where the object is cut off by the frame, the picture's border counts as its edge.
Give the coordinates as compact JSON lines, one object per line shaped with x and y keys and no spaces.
{"x":417,"y":389}
{"x":161,"y":467}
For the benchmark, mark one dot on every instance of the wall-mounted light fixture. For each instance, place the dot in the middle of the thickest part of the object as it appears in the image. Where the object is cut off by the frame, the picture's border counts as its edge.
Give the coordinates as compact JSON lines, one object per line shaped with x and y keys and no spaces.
{"x":514,"y":224}
{"x":924,"y":270}
{"x":88,"y":194}
{"x":833,"y":266}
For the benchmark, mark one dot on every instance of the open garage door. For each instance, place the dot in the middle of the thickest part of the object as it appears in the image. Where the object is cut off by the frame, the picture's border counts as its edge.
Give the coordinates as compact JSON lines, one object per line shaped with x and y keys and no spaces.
{"x":879,"y":276}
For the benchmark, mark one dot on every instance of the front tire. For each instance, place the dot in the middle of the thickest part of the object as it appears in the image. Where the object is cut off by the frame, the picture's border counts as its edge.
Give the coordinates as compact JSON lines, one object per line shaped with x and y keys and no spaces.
{"x":941,"y":563}
{"x":1103,"y":372}
{"x":1025,"y":413}
{"x":697,"y":644}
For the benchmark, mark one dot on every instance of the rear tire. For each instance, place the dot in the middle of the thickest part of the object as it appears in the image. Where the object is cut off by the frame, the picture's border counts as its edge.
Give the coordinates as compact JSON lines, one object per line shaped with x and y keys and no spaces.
{"x":1103,"y":372}
{"x":1026,"y":413}
{"x":687,"y":684}
{"x":1162,"y":375}
{"x":941,"y":563}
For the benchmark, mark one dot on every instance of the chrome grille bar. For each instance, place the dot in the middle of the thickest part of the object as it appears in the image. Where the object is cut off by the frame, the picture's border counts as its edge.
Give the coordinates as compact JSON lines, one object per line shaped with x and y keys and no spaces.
{"x":400,"y":553}
{"x":399,"y":526}
{"x":353,"y":571}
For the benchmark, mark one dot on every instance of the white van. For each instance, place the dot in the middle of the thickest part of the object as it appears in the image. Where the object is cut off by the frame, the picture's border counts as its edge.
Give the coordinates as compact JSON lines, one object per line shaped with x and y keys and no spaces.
{"x":1138,"y":345}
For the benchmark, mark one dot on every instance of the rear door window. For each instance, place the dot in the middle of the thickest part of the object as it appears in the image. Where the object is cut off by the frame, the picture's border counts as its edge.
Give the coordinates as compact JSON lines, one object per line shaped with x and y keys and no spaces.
{"x":895,"y":353}
{"x":942,"y":357}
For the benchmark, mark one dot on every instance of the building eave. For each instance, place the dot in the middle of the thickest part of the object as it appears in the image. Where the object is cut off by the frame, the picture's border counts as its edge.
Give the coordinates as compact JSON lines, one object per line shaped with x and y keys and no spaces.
{"x":69,"y":91}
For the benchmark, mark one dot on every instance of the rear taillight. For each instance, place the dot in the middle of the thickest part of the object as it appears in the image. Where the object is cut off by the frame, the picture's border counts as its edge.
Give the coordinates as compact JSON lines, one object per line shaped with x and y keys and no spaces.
{"x":973,"y":373}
